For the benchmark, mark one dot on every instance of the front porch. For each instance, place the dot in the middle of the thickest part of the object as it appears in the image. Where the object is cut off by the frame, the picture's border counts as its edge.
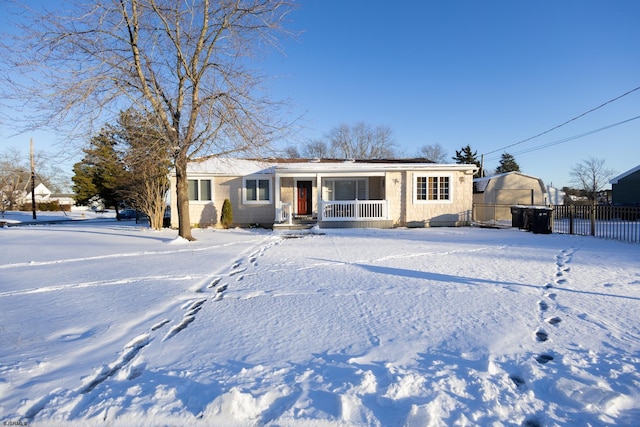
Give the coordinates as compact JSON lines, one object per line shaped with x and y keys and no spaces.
{"x":339,"y":214}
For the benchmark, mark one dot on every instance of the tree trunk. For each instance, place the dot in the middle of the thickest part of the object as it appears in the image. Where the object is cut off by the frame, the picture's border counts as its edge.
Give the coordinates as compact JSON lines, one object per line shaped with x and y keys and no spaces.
{"x":182,"y":192}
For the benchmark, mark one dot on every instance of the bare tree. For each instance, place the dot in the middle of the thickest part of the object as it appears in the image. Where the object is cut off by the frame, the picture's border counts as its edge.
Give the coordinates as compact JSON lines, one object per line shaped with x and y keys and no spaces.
{"x":146,"y":156}
{"x":316,"y":149}
{"x":591,"y":176}
{"x":362,"y":141}
{"x":435,"y":152}
{"x":182,"y":62}
{"x":15,"y":177}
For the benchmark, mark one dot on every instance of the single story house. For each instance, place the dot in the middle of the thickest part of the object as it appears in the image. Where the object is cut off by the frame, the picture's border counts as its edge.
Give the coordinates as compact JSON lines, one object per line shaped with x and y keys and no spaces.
{"x":331,"y":193}
{"x":494,"y":195}
{"x":625,"y":188}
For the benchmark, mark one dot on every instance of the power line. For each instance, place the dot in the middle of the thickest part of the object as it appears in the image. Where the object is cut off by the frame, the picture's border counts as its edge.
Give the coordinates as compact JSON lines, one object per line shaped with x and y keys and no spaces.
{"x":571,"y":138}
{"x":569,"y":121}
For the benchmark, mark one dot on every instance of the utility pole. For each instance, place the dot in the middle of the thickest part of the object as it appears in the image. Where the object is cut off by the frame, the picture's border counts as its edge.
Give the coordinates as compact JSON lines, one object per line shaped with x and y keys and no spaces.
{"x":33,"y":181}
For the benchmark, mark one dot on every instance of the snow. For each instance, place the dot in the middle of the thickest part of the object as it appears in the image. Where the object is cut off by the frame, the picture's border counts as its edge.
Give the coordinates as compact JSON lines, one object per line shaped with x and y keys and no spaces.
{"x":111,"y":323}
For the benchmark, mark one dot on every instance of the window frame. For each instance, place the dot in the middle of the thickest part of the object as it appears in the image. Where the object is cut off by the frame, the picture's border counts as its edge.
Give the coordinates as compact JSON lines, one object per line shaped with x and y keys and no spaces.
{"x":257,"y":179}
{"x":428,"y":188}
{"x":199,"y":188}
{"x":361,"y":188}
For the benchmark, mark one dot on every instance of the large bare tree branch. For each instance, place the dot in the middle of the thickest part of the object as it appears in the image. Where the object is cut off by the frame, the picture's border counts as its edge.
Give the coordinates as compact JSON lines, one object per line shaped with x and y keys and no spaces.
{"x":183,"y":62}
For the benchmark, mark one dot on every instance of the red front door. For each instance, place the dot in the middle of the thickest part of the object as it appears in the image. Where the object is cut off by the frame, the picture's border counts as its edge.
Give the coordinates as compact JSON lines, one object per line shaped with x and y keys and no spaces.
{"x":304,"y":197}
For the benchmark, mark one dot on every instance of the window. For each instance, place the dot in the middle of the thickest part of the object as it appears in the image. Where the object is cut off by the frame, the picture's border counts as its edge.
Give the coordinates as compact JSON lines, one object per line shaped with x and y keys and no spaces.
{"x":432,"y":188}
{"x":345,"y":189}
{"x":257,"y":190}
{"x":200,"y":190}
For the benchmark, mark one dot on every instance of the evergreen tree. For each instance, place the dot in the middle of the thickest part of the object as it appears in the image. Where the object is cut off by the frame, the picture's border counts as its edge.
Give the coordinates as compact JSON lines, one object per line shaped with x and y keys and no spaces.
{"x":507,"y":164}
{"x":127,"y":163}
{"x":101,"y":171}
{"x":226,"y":219}
{"x":466,"y":156}
{"x":83,"y":185}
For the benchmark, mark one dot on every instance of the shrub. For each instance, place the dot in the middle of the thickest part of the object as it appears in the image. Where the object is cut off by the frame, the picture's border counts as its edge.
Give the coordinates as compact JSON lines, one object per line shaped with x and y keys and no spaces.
{"x":226,"y":219}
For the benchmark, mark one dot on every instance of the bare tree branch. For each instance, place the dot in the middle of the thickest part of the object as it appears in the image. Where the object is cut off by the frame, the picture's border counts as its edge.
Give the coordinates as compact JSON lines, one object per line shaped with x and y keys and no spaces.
{"x":183,"y":62}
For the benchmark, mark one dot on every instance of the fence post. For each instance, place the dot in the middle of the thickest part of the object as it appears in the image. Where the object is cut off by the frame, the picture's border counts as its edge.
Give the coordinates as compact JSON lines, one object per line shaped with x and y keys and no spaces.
{"x":572,"y":216}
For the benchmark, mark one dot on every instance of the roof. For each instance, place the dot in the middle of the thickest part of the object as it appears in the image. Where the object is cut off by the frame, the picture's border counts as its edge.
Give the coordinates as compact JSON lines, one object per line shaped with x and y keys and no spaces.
{"x":480,"y":184}
{"x":243,"y":167}
{"x":624,"y":175}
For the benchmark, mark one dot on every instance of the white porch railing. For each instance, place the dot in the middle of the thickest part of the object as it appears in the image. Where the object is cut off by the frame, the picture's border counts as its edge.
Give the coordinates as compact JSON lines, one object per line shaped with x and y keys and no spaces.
{"x":285,"y":213}
{"x":354,"y":210}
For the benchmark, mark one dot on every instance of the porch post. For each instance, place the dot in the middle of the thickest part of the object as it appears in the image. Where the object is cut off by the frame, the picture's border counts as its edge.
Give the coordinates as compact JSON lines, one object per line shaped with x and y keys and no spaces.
{"x":278,"y":205}
{"x":319,"y":197}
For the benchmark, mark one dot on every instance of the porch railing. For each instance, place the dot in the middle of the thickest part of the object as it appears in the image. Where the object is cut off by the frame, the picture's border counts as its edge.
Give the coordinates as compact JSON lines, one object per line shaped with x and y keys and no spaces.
{"x":284,"y":214}
{"x":354,"y":210}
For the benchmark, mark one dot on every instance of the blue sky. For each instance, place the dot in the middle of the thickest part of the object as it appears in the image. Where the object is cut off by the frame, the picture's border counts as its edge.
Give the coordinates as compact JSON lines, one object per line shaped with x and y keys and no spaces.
{"x":484,"y":73}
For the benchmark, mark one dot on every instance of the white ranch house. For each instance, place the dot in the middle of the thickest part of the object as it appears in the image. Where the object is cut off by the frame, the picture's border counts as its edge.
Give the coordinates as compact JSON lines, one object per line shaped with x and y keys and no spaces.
{"x":331,"y":193}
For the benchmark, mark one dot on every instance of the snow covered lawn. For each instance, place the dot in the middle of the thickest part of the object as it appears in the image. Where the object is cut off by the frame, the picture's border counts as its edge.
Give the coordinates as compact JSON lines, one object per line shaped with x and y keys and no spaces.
{"x":113,"y":324}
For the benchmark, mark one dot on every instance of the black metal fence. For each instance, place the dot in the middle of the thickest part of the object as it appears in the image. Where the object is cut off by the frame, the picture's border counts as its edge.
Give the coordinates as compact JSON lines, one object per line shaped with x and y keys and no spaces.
{"x":610,"y":222}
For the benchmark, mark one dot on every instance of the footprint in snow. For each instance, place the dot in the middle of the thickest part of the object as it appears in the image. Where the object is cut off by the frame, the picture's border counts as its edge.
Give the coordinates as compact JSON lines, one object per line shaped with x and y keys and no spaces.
{"x":179,"y":327}
{"x":554,"y":320}
{"x":128,"y":353}
{"x":159,"y":325}
{"x":214,"y":282}
{"x":542,"y":336}
{"x":195,"y":307}
{"x":543,"y":305}
{"x":544,"y":358}
{"x":219,"y":292}
{"x":238,"y":271}
{"x":531,"y":422}
{"x":519,"y":382}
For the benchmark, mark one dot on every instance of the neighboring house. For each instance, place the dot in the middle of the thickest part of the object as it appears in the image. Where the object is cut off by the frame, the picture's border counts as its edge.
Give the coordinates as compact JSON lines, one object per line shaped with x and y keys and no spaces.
{"x":555,"y":196}
{"x":625,"y":188}
{"x":44,"y":195}
{"x":494,"y":195}
{"x":333,"y":193}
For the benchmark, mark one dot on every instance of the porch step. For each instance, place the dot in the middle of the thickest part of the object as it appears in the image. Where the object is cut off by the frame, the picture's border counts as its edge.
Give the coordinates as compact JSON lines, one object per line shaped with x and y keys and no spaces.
{"x":295,"y":226}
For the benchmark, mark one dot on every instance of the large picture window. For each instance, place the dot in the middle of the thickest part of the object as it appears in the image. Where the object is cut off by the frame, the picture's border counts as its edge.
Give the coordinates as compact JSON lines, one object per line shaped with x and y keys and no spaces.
{"x":432,"y":188}
{"x":257,"y":190}
{"x":200,"y":190}
{"x":345,"y":189}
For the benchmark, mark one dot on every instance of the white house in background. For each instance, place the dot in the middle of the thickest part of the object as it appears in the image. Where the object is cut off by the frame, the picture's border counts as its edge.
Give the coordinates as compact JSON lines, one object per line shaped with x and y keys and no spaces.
{"x":555,"y":196}
{"x":331,"y":193}
{"x":44,"y":195}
